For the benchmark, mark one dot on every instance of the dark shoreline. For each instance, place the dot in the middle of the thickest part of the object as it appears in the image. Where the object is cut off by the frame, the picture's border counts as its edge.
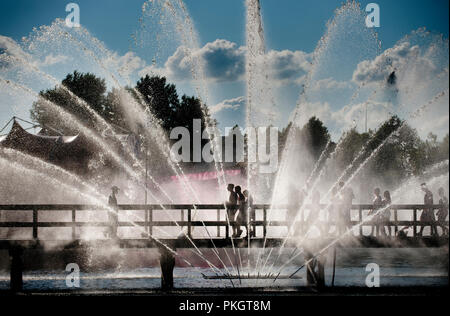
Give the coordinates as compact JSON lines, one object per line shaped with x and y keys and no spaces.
{"x":246,"y":292}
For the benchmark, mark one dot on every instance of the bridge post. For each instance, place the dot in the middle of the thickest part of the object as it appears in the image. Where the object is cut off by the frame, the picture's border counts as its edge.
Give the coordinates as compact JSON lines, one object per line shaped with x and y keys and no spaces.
{"x":315,"y":269}
{"x":189,"y":219}
{"x":150,"y":219}
{"x":310,"y":277}
{"x":415,"y":222}
{"x":35,"y":224}
{"x":218,"y":220}
{"x":360,"y":214}
{"x":265,"y":222}
{"x":16,"y":270}
{"x":396,"y":221}
{"x":321,"y":260}
{"x":74,"y":229}
{"x":167,"y":263}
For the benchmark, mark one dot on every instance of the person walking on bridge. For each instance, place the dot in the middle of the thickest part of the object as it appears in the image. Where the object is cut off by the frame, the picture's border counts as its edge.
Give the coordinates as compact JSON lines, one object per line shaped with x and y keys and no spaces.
{"x":231,"y":207}
{"x":428,"y":211}
{"x":251,"y":227}
{"x":113,"y":212}
{"x":377,"y":204}
{"x":347,"y":202}
{"x":385,"y":217}
{"x":241,"y":216}
{"x":443,"y":211}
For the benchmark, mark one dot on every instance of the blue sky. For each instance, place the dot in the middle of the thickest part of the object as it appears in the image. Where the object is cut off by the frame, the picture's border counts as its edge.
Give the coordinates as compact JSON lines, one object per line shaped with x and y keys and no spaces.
{"x":293,"y":25}
{"x":289,"y":24}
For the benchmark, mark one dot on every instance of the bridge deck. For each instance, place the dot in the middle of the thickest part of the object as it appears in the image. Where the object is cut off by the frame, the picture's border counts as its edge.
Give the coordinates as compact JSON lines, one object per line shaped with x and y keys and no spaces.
{"x":402,"y":216}
{"x":348,"y":242}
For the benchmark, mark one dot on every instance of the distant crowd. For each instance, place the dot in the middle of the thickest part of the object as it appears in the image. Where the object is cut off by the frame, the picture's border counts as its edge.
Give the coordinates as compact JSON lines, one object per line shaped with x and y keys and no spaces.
{"x":337,"y":218}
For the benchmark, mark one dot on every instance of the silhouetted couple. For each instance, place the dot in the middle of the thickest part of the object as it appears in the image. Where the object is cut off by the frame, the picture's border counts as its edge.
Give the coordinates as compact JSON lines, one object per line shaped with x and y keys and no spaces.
{"x":381,"y":213}
{"x":428,"y":216}
{"x":341,"y":205}
{"x":237,"y":210}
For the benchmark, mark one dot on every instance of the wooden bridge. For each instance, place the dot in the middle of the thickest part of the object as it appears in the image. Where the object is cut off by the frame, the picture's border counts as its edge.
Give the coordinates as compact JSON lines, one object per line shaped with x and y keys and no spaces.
{"x":35,"y":218}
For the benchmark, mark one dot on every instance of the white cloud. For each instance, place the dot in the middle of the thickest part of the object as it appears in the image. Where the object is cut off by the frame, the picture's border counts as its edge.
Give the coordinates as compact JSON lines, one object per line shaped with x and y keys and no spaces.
{"x":348,"y":116}
{"x":54,"y":59}
{"x":126,"y":64}
{"x":287,"y":66}
{"x":401,"y":58}
{"x":10,"y":48}
{"x":224,"y":61}
{"x":231,"y":104}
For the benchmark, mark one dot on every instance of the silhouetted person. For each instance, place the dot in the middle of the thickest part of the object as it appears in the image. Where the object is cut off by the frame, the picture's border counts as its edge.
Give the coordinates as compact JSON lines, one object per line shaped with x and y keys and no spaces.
{"x":293,"y":205}
{"x":428,"y":211}
{"x":313,"y":218}
{"x":377,"y":204}
{"x":392,"y":79}
{"x":232,"y":207}
{"x":241,"y":217}
{"x":385,"y":216}
{"x":335,"y":209}
{"x":112,"y":214}
{"x":300,"y":211}
{"x":443,"y":211}
{"x":251,"y":213}
{"x":347,"y":202}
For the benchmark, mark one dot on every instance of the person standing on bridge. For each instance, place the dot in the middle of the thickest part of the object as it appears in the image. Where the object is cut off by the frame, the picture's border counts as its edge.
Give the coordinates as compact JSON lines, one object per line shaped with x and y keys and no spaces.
{"x":428,"y":212}
{"x":314,"y":213}
{"x":231,"y":207}
{"x":251,"y":213}
{"x":347,"y":202}
{"x":377,"y":204}
{"x":443,"y":211}
{"x":293,"y":202}
{"x":241,"y":216}
{"x":334,"y":216}
{"x":113,"y":212}
{"x":385,"y":217}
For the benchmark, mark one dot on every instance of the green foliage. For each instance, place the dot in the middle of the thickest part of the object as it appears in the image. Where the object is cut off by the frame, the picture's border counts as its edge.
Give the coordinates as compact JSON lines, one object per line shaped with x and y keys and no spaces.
{"x":351,"y":144}
{"x":161,"y":98}
{"x":315,"y":136}
{"x":88,"y":88}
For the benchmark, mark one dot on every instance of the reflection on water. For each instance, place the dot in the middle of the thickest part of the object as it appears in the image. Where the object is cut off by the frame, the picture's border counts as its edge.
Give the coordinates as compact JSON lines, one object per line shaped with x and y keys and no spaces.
{"x":398,"y":267}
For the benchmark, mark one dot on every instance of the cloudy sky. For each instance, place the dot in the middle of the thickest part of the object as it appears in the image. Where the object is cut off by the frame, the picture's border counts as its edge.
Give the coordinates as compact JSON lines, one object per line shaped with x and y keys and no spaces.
{"x":349,"y":77}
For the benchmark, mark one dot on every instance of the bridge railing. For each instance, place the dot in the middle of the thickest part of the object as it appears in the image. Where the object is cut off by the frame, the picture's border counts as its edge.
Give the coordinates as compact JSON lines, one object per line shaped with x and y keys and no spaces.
{"x":266,"y":217}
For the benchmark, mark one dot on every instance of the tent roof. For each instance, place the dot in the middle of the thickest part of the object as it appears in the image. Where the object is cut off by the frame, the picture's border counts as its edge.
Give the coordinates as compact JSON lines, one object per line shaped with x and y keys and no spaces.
{"x":39,"y":145}
{"x":18,"y":133}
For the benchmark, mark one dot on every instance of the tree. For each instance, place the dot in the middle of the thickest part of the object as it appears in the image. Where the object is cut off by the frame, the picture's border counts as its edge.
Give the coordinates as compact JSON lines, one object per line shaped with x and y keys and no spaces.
{"x":161,"y":98}
{"x":351,"y":144}
{"x":315,"y":136}
{"x":443,"y":149}
{"x":86,"y":87}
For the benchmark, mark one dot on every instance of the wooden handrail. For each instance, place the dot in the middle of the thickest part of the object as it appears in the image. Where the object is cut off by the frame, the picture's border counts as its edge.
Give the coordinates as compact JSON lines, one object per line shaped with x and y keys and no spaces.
{"x":148,"y":221}
{"x":172,"y":207}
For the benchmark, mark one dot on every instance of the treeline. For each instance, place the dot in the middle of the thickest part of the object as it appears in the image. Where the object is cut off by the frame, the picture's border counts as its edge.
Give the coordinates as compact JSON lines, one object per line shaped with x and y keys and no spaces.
{"x":390,"y":154}
{"x":152,"y":94}
{"x":155,"y":94}
{"x":402,"y":154}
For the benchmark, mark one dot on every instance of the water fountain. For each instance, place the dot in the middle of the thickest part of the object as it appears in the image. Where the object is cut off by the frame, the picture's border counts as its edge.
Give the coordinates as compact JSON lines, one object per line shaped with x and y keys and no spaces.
{"x":347,"y":41}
